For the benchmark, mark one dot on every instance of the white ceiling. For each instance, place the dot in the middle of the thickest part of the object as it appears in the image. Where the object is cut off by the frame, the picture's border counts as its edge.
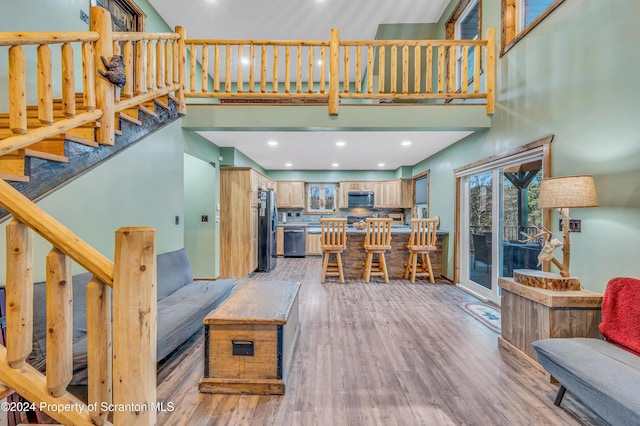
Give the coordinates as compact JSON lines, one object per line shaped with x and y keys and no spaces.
{"x":312,"y":20}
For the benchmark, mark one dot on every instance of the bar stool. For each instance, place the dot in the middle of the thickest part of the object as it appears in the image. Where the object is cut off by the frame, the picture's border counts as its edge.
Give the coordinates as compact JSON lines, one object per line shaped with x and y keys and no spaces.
{"x":376,"y":241}
{"x":421,"y":241}
{"x":333,"y":240}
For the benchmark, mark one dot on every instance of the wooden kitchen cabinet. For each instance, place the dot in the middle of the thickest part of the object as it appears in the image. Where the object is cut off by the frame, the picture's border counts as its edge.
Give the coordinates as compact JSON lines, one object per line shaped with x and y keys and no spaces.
{"x":312,"y":245}
{"x":280,"y":241}
{"x":393,"y":194}
{"x":290,"y":194}
{"x":239,"y":188}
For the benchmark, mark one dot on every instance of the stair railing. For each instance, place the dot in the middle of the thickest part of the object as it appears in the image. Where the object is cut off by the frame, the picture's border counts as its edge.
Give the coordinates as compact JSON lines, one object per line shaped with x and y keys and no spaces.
{"x":122,"y":359}
{"x":24,"y":131}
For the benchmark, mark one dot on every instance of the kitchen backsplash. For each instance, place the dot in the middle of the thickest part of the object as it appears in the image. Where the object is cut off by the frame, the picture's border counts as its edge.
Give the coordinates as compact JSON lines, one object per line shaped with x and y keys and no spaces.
{"x":299,"y":216}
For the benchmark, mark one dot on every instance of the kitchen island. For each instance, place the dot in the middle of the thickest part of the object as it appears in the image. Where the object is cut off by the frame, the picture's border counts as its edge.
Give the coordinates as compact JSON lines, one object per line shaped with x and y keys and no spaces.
{"x":354,"y":254}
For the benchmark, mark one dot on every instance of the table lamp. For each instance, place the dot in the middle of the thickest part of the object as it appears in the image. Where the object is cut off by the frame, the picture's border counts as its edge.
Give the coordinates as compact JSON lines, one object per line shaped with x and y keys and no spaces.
{"x":561,"y":193}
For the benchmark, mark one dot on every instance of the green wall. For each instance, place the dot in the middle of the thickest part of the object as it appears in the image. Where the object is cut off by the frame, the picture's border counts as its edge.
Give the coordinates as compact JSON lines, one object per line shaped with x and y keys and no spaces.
{"x":142,"y":186}
{"x":573,"y":76}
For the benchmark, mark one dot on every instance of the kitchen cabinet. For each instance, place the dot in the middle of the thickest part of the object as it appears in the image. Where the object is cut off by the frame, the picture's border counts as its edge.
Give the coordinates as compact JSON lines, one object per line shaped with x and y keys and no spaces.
{"x":393,"y":194}
{"x":280,"y":241}
{"x":312,"y":245}
{"x":239,"y":188}
{"x":290,"y":194}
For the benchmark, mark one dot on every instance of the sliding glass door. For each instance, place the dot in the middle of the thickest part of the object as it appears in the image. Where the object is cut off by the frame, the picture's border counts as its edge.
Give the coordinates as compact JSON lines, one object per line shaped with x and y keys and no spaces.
{"x":499,"y":218}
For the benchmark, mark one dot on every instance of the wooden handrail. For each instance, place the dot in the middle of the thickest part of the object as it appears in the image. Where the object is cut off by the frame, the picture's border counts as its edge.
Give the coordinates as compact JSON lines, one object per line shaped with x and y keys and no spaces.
{"x":56,"y":233}
{"x":30,"y":38}
{"x":137,"y":36}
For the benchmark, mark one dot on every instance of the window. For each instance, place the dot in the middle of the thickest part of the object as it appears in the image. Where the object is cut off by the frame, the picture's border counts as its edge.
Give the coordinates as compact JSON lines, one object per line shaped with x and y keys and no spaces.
{"x":521,"y":16}
{"x":465,"y":24}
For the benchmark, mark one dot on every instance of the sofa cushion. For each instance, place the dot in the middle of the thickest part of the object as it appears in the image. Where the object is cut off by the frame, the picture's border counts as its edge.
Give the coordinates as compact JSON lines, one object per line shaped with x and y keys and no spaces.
{"x":621,"y":313}
{"x":603,"y":376}
{"x":79,"y":283}
{"x":180,"y":314}
{"x":174,"y":271}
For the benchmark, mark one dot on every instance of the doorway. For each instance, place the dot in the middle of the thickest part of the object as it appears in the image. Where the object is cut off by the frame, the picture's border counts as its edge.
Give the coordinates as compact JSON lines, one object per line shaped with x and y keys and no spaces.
{"x":498,"y":220}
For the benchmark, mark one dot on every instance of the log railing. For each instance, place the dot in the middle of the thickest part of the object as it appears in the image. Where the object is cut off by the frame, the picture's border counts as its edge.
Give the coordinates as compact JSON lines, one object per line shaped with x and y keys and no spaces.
{"x":154,"y":65}
{"x":25,"y":131}
{"x":336,"y":69}
{"x":128,"y":349}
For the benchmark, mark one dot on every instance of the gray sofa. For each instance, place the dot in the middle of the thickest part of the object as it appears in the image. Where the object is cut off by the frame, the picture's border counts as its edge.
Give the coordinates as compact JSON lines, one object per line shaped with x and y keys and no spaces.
{"x":603,"y":374}
{"x":182,"y":305}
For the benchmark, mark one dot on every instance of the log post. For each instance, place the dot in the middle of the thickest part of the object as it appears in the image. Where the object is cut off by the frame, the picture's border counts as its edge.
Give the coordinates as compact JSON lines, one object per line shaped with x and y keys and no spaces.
{"x":88,"y":76}
{"x":17,"y":91}
{"x":59,"y":323}
{"x":19,"y":293}
{"x":182,"y":67}
{"x":101,"y":23}
{"x":99,"y":348}
{"x":134,"y":322}
{"x":491,"y":70}
{"x":334,"y":68}
{"x":45,"y":97}
{"x":68,"y":82}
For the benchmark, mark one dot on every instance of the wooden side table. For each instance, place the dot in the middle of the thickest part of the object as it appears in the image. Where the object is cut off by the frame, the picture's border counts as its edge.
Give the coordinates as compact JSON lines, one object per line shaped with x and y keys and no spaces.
{"x":531,"y":313}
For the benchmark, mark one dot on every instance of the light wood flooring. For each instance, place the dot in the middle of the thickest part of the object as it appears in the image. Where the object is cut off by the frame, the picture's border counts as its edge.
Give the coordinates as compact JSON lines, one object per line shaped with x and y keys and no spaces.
{"x":377,"y":354}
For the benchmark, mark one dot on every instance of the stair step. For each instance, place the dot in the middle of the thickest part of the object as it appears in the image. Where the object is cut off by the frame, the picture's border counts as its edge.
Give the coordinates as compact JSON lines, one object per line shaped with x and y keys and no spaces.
{"x":13,"y":164}
{"x":43,"y":155}
{"x":130,"y":119}
{"x":147,"y":111}
{"x":49,"y":146}
{"x":14,"y":178}
{"x":163,"y":102}
{"x":77,"y":139}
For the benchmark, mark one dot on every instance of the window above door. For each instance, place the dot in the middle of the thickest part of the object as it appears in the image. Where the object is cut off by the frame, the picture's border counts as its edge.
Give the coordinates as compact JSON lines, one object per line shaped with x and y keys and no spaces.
{"x":519,"y":17}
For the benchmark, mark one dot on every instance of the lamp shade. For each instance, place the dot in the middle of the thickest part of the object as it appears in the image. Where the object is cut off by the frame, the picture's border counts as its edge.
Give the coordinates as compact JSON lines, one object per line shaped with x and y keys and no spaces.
{"x":567,"y":192}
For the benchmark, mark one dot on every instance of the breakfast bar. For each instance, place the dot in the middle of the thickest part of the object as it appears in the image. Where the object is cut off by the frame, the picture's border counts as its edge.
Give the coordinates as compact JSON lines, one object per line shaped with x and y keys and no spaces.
{"x":354,"y":255}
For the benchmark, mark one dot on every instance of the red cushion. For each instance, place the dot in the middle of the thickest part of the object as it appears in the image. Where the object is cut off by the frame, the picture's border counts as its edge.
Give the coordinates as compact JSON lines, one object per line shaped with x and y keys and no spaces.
{"x":621,"y":313}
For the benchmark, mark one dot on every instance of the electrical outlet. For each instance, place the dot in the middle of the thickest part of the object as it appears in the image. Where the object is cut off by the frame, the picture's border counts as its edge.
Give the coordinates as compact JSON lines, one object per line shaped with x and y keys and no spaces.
{"x":177,"y":220}
{"x":204,"y":218}
{"x":575,"y":225}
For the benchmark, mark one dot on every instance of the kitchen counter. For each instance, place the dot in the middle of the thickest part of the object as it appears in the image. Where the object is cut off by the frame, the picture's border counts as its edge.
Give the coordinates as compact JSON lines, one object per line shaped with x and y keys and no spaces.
{"x":354,"y":255}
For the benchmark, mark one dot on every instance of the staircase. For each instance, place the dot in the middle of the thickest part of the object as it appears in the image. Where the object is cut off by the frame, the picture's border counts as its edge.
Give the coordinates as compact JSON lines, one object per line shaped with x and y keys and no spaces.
{"x":44,"y":146}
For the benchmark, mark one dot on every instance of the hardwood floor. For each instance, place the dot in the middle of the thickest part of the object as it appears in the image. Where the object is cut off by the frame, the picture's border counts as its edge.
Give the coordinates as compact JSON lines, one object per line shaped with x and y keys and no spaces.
{"x":377,"y":354}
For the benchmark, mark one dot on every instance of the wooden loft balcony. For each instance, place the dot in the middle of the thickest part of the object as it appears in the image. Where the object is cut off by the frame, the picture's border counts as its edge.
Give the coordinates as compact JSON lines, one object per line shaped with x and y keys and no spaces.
{"x":336,"y":72}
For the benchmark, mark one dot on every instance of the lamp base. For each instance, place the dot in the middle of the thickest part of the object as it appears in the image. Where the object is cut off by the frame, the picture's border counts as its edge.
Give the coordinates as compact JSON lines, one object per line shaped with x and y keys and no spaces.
{"x":546,"y":280}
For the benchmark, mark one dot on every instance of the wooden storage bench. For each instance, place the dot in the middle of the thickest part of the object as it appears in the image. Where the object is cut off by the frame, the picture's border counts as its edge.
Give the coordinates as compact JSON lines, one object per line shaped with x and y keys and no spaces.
{"x":250,"y":339}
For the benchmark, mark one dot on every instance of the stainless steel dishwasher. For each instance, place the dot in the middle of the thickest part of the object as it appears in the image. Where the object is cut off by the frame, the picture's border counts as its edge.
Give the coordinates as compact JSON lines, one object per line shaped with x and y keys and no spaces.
{"x":294,"y":241}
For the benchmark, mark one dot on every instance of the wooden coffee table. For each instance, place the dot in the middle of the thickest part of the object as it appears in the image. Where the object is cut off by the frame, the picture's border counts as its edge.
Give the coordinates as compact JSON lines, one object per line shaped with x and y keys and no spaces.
{"x":250,"y":339}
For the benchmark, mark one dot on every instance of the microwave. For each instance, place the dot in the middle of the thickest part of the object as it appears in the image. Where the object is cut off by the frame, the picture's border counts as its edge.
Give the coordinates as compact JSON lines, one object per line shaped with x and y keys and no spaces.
{"x":360,"y":199}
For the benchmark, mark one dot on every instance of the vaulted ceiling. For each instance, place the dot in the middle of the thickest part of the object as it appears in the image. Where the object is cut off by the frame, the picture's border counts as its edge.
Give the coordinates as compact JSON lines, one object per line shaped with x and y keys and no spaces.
{"x":312,"y":20}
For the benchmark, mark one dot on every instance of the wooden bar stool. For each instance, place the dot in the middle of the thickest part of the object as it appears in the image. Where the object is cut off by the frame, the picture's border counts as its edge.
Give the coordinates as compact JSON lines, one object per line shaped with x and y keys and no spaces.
{"x":421,"y":241}
{"x":376,"y":241}
{"x":333,"y":240}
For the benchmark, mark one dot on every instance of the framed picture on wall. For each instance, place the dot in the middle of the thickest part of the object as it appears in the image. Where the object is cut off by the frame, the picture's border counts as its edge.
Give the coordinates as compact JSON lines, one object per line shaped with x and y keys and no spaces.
{"x":322,"y":198}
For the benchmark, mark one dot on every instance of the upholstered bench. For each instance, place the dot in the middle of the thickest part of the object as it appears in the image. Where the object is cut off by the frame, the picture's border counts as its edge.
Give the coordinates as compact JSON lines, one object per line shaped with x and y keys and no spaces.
{"x":604,"y":375}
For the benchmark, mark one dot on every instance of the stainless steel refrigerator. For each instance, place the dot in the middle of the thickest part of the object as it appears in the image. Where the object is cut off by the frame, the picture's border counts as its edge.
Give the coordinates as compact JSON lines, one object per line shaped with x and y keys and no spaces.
{"x":267,"y":229}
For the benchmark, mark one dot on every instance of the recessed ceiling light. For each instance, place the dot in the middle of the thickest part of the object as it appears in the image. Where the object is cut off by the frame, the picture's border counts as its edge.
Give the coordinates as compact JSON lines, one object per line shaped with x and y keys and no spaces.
{"x":334,"y":164}
{"x":340,"y":143}
{"x":272,"y":143}
{"x":319,"y":62}
{"x":244,"y":61}
{"x":288,"y":164}
{"x":406,"y":143}
{"x":380,"y":164}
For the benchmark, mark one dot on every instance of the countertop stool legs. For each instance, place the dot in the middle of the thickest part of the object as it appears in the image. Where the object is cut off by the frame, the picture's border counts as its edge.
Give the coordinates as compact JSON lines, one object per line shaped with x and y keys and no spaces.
{"x":421,"y":241}
{"x":377,"y":240}
{"x":333,"y":240}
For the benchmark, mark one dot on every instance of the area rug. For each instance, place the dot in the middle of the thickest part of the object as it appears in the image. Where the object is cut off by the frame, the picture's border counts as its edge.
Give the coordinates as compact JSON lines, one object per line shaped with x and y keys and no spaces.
{"x":487,"y":314}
